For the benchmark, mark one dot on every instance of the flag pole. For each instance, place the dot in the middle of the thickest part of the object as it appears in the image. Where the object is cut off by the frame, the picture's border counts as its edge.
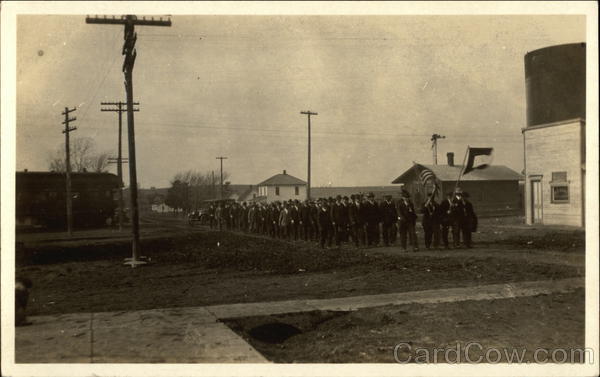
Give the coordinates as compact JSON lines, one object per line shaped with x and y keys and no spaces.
{"x":462,"y":168}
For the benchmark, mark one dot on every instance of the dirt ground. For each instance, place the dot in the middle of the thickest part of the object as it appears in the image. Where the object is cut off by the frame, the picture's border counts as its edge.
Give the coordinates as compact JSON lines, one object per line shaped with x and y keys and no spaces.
{"x":193,"y":267}
{"x":372,"y":335}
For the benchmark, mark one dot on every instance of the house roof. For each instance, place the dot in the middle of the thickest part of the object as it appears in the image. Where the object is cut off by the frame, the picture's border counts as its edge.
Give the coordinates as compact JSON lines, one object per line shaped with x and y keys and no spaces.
{"x":325,"y":192}
{"x":282,"y":180}
{"x":450,"y":173}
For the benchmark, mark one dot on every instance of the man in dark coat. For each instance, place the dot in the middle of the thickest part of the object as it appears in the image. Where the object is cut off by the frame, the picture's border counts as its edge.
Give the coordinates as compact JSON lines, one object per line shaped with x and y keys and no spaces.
{"x":305,"y":221}
{"x":355,"y":221}
{"x":284,"y":221}
{"x":314,"y":221}
{"x":244,"y":217}
{"x":447,"y":216}
{"x":22,"y":287}
{"x":295,"y":218}
{"x":324,"y":221}
{"x":407,"y":219}
{"x":465,"y":217}
{"x":340,"y":220}
{"x":225,"y":216}
{"x":372,"y":219}
{"x":431,"y":222}
{"x":388,"y":219}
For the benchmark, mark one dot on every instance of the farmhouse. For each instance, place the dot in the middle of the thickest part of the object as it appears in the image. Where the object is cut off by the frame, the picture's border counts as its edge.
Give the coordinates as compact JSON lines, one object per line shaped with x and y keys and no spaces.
{"x":281,"y":187}
{"x":555,"y":135}
{"x":494,"y":191}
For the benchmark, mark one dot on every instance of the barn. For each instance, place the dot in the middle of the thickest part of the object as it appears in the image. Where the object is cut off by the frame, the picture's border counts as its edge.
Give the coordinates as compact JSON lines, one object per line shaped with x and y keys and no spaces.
{"x":494,"y":191}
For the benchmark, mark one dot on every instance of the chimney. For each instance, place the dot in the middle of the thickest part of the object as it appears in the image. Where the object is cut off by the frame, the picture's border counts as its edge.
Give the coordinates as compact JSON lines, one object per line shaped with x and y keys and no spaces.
{"x":284,"y":172}
{"x":25,"y":170}
{"x":450,"y":156}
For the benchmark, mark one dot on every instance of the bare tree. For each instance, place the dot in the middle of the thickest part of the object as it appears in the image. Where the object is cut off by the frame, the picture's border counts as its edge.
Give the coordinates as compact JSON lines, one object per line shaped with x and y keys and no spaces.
{"x":189,"y":188}
{"x":83,"y":157}
{"x":99,"y":162}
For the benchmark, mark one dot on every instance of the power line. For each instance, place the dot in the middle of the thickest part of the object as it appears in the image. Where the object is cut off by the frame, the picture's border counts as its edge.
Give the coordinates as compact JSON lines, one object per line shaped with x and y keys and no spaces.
{"x":336,"y":132}
{"x":85,"y":110}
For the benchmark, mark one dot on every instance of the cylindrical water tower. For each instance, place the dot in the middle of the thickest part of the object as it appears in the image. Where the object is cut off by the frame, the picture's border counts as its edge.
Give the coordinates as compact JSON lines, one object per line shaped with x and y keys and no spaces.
{"x":555,"y":84}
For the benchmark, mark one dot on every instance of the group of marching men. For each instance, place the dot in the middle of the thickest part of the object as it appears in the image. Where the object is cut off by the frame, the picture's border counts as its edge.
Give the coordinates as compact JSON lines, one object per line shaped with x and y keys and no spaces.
{"x":358,"y":218}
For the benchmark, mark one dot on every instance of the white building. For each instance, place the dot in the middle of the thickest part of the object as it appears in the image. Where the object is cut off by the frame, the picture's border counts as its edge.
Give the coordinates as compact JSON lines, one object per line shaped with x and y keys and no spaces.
{"x":282,"y":187}
{"x":554,"y":139}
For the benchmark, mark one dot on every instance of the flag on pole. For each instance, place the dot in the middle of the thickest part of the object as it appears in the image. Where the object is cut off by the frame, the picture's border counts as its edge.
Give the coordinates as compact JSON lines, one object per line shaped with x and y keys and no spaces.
{"x":427,"y":175}
{"x":473,"y":162}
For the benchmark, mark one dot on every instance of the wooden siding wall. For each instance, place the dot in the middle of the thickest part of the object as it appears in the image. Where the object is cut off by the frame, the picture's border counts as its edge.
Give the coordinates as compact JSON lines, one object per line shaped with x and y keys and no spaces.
{"x":554,"y":149}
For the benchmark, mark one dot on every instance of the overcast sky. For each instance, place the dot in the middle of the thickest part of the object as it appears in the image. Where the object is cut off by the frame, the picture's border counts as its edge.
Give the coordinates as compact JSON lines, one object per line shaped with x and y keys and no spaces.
{"x":234,"y":86}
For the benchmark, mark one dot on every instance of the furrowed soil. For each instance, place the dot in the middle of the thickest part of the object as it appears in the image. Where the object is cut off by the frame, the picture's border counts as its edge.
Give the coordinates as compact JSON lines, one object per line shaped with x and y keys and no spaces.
{"x":199,"y":267}
{"x":520,"y":325}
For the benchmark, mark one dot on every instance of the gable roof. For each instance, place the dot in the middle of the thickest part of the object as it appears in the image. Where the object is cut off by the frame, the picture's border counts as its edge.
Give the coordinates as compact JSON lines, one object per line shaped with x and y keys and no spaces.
{"x":282,"y":180}
{"x":450,"y":173}
{"x":325,"y":192}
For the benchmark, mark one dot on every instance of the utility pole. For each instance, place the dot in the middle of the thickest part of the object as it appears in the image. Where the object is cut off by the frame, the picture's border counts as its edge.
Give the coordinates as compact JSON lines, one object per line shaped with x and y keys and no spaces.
{"x":214,"y":194}
{"x":308,"y":113}
{"x":130,"y":53}
{"x":221,"y":158}
{"x":119,"y":161}
{"x":69,"y":197}
{"x":434,"y":139}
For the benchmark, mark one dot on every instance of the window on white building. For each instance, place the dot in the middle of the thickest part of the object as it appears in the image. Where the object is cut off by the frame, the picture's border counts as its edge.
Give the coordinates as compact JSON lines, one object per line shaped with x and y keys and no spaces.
{"x":559,"y":187}
{"x":297,"y":190}
{"x":277,"y":190}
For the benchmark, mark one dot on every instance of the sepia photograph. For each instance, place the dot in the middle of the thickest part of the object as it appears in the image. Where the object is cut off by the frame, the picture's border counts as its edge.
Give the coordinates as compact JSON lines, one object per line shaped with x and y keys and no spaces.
{"x":255,"y":188}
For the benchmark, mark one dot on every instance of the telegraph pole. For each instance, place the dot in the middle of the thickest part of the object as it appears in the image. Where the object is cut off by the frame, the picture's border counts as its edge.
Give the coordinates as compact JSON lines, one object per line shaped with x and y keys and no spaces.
{"x":221,"y":158}
{"x":119,"y":161}
{"x":66,"y":131}
{"x":214,"y":194}
{"x":130,"y":53}
{"x":308,"y":113}
{"x":434,"y":139}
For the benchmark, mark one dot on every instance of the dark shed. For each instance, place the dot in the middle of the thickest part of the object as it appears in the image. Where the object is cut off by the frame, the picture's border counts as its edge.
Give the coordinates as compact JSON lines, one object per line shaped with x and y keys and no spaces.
{"x":493,"y":191}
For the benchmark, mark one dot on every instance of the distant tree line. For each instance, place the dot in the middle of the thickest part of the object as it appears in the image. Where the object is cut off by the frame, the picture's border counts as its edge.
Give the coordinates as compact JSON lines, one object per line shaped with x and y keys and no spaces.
{"x":189,"y":188}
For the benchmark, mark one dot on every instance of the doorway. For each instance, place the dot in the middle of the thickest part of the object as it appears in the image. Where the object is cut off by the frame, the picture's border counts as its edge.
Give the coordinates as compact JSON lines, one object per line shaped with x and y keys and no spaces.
{"x":536,"y":201}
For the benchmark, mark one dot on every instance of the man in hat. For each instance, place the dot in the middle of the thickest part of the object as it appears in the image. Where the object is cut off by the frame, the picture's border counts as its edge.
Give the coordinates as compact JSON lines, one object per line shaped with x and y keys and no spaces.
{"x":305,"y":221}
{"x":465,"y":217}
{"x":372,"y":219}
{"x":389,"y":217}
{"x":407,"y":219}
{"x":284,"y":221}
{"x":314,"y":221}
{"x":431,"y":222}
{"x":339,"y":220}
{"x":447,"y":216}
{"x":324,"y":221}
{"x":295,"y":218}
{"x":355,"y":220}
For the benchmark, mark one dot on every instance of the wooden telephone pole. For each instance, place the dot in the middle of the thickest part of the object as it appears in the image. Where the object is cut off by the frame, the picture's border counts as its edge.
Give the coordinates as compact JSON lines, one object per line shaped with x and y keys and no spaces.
{"x":309,"y":113}
{"x":119,"y":161}
{"x":221,"y":158}
{"x":69,"y":197}
{"x":129,"y":22}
